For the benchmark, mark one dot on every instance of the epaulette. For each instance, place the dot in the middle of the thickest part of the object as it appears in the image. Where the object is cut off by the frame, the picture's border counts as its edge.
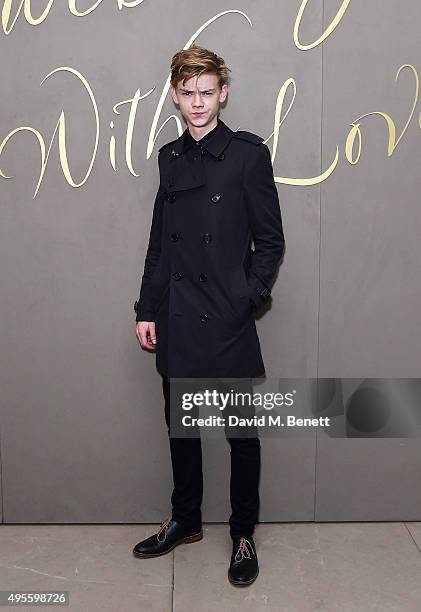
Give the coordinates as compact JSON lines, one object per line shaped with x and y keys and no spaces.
{"x":244,"y":135}
{"x":167,"y":144}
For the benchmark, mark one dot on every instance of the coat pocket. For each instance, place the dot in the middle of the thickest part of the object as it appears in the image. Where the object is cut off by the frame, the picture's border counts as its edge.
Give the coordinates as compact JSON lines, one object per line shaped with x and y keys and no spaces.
{"x":159,"y":286}
{"x":240,"y":283}
{"x":241,"y":291}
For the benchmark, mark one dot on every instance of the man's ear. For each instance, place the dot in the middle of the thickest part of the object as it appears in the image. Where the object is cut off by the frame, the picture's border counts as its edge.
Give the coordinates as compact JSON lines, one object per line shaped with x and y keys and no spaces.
{"x":173,"y":94}
{"x":224,"y":92}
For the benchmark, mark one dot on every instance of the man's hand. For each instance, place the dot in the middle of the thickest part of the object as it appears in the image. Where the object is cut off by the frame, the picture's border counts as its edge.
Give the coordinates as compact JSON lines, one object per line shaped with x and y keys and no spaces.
{"x":145,"y":332}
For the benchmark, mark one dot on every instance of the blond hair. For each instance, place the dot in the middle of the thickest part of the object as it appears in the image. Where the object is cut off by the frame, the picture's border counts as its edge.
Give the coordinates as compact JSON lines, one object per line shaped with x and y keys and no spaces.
{"x":195,"y":61}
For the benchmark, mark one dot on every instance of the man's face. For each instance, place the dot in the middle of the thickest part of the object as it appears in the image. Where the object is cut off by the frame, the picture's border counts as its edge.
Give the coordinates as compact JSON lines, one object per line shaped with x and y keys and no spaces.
{"x":199,"y":99}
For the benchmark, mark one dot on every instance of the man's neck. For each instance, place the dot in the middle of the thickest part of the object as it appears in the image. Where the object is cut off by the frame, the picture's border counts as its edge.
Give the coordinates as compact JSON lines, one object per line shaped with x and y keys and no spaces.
{"x":199,"y":133}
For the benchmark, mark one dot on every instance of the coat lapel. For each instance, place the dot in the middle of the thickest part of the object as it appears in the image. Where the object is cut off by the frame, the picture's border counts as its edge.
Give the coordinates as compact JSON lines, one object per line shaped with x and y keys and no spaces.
{"x":183,"y":174}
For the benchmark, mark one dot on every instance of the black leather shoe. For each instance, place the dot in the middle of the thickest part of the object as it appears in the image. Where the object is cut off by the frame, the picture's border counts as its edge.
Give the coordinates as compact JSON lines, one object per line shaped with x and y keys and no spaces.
{"x":170,"y":534}
{"x":244,"y":567}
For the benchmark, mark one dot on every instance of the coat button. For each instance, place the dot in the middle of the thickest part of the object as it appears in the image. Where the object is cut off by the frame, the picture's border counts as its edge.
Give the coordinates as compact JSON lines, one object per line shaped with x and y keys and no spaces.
{"x":207,"y":238}
{"x":202,"y":151}
{"x":221,"y":157}
{"x":216,"y":197}
{"x":175,"y":236}
{"x":203,"y":278}
{"x":174,"y":153}
{"x":170,"y":197}
{"x":204,"y":317}
{"x":177,"y":275}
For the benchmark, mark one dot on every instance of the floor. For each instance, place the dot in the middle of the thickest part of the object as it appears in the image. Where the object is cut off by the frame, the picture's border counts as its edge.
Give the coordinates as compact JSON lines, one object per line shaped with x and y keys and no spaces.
{"x":304,"y":567}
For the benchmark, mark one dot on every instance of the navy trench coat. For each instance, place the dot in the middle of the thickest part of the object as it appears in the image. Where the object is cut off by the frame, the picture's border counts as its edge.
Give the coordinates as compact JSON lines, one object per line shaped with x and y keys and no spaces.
{"x":202,"y":281}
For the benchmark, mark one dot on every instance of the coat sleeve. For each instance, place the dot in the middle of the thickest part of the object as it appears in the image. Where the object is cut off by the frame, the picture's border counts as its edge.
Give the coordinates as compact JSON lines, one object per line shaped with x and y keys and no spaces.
{"x":265,"y":221}
{"x":144,"y":306}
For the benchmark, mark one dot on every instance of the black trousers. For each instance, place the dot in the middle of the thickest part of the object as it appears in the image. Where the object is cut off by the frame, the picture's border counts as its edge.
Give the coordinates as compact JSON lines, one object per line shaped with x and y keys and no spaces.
{"x":186,"y":459}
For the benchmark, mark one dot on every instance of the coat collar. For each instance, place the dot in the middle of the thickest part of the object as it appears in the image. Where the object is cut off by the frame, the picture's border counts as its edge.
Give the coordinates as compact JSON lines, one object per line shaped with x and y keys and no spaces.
{"x":215,"y":144}
{"x":181,"y":173}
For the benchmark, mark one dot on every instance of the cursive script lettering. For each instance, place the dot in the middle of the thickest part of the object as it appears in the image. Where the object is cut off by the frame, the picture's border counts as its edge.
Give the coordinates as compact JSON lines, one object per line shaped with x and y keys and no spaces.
{"x":34,"y":21}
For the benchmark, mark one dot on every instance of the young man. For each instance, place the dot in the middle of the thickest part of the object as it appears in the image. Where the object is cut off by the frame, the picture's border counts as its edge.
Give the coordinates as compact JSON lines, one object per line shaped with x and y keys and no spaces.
{"x":201,"y":285}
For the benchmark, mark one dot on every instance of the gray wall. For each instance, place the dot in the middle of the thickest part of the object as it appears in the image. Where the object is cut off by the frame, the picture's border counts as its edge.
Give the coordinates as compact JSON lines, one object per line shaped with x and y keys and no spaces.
{"x":83,"y":437}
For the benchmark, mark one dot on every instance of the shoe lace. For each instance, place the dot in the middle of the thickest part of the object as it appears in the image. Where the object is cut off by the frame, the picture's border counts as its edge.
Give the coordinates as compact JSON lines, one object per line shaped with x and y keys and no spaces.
{"x":244,"y":550}
{"x":163,"y":528}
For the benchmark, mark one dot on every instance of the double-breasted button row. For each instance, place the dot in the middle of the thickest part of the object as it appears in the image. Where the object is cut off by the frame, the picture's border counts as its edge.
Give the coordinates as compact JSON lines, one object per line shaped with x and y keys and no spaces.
{"x":202,"y":278}
{"x":179,"y":275}
{"x":175,"y":237}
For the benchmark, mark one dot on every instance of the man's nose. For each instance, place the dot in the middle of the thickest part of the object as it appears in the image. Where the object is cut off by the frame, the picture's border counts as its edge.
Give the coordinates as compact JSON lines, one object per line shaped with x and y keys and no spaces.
{"x":197,"y":100}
